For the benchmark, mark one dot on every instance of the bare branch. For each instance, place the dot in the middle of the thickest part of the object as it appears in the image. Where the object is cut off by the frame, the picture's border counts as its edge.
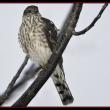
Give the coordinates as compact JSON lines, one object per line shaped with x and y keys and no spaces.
{"x":93,"y":22}
{"x":30,"y":73}
{"x":6,"y":94}
{"x":64,"y":35}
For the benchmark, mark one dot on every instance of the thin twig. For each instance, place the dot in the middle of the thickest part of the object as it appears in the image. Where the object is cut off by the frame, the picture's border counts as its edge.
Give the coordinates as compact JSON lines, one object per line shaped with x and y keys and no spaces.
{"x":4,"y":97}
{"x":30,"y":73}
{"x":44,"y":75}
{"x":93,"y":22}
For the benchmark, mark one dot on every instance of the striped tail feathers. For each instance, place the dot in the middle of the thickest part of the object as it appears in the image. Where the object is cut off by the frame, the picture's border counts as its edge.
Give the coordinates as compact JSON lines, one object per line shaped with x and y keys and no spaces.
{"x":62,"y":86}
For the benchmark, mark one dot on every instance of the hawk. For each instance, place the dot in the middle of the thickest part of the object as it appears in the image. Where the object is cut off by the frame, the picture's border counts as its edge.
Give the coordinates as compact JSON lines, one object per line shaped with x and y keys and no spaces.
{"x":38,"y":38}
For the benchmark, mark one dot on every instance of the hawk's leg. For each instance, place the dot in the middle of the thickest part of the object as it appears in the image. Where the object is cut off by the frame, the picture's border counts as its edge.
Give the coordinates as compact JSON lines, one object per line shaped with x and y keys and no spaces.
{"x":44,"y":66}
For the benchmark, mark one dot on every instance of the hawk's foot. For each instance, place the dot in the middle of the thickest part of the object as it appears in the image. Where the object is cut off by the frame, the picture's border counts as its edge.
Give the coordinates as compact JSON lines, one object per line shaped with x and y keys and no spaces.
{"x":44,"y":67}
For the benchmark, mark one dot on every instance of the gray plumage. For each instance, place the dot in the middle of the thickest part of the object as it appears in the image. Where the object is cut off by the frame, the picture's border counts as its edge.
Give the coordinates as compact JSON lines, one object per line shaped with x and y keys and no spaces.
{"x":38,"y":37}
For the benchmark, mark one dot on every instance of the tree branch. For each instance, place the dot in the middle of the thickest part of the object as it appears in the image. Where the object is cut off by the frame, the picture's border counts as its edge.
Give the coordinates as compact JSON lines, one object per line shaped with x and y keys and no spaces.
{"x":6,"y":94}
{"x":30,"y":73}
{"x":93,"y":22}
{"x":64,"y":35}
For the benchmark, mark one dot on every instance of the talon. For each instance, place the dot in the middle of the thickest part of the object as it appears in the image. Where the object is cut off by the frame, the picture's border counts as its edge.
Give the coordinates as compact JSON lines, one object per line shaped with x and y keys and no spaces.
{"x":44,"y":66}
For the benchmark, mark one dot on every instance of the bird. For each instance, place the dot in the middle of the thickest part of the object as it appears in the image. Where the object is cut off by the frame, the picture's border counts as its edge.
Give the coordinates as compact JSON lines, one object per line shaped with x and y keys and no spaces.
{"x":38,"y":38}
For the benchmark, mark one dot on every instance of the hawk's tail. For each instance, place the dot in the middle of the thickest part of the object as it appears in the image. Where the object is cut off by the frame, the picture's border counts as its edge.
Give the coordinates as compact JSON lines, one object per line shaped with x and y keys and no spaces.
{"x":61,"y":86}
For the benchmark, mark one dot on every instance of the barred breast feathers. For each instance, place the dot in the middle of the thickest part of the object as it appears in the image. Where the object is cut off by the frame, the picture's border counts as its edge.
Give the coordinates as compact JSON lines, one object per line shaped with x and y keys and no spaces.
{"x":33,"y":39}
{"x":29,"y":28}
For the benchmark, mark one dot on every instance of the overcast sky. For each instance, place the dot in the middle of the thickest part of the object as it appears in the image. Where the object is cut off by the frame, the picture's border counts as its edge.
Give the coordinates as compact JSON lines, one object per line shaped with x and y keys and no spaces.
{"x":86,"y":58}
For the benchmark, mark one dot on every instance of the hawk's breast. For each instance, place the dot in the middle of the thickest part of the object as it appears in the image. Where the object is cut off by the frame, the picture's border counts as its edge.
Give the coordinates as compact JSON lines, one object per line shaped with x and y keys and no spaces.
{"x":33,"y":40}
{"x":41,"y":51}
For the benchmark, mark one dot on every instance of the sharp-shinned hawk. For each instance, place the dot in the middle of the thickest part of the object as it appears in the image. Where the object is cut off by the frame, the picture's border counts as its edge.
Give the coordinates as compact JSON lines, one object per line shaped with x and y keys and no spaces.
{"x":38,"y":38}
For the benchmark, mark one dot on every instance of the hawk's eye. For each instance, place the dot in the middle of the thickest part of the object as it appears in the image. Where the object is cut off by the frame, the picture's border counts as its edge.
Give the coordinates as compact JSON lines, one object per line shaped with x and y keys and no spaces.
{"x":36,"y":11}
{"x":29,"y":11}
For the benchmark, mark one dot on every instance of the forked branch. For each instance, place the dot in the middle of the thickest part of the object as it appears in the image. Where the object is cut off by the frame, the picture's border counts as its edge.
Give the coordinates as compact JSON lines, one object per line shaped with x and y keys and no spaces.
{"x":64,"y":36}
{"x":93,"y":22}
{"x":6,"y":94}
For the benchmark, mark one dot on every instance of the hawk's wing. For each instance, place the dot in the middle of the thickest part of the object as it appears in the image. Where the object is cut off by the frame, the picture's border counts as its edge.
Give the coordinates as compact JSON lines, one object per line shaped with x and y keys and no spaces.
{"x":58,"y":76}
{"x":50,"y":31}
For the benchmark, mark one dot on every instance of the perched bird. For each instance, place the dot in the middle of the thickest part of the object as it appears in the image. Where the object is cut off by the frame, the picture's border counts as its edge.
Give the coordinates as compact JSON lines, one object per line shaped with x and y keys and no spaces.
{"x":38,"y":38}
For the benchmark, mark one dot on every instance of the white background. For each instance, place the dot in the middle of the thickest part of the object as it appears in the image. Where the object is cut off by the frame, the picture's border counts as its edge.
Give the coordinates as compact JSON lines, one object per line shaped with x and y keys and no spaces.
{"x":86,"y":58}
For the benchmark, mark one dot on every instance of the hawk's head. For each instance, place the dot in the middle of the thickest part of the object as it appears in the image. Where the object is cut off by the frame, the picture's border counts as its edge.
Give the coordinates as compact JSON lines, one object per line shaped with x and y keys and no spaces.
{"x":31,"y":10}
